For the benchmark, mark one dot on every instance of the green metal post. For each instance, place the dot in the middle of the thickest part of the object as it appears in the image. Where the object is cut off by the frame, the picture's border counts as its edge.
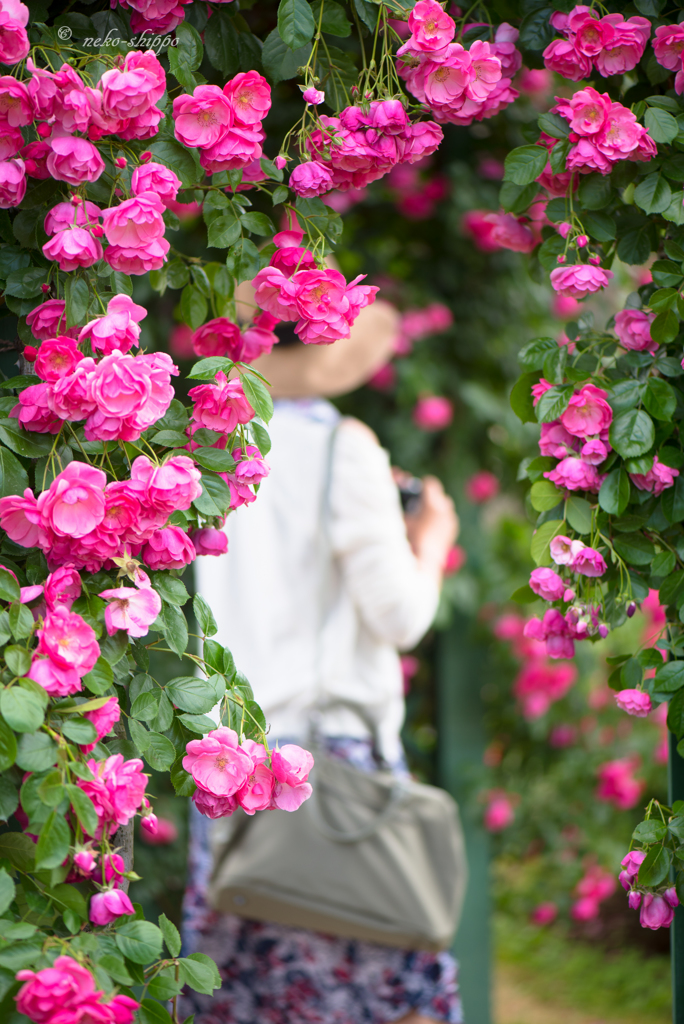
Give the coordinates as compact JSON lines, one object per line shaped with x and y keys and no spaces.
{"x":461,"y":744}
{"x":676,"y":788}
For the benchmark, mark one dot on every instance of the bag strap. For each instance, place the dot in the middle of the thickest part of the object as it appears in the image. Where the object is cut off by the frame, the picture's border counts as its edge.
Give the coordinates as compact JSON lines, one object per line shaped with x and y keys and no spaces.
{"x":396,"y":796}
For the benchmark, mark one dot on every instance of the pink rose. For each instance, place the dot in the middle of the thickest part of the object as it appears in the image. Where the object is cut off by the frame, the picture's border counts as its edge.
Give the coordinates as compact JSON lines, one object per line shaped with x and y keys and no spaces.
{"x":658,"y":478}
{"x":201,"y":119}
{"x":74,"y":160}
{"x":73,"y":248}
{"x":626,"y":47}
{"x":103,"y":719}
{"x":588,"y":562}
{"x":492,"y":231}
{"x":256,"y":794}
{"x":117,"y":329}
{"x":544,"y":913}
{"x":16,"y":106}
{"x":62,"y":587}
{"x":35,"y":156}
{"x":580,"y":280}
{"x":564,"y":551}
{"x":668,"y":46}
{"x":633,"y":328}
{"x":173,"y":485}
{"x":74,"y":503}
{"x":655,"y":912}
{"x":313,"y":96}
{"x":237,"y":147}
{"x":21,"y":520}
{"x":68,"y":641}
{"x":431,"y":27}
{"x":71,"y":397}
{"x":220,"y":406}
{"x":209,"y":541}
{"x":131,"y":393}
{"x":131,"y":609}
{"x":547,"y":584}
{"x":217,"y":763}
{"x":634,"y":702}
{"x":218,"y":337}
{"x":57,"y":358}
{"x":131,"y":91}
{"x":106,"y":906}
{"x":153,"y":177}
{"x":481,"y":487}
{"x":617,"y":784}
{"x":556,"y":441}
{"x":311,"y":179}
{"x":249,"y":94}
{"x":291,"y":766}
{"x":12,"y":182}
{"x":499,"y":813}
{"x":563,"y":57}
{"x":136,"y":222}
{"x":63,"y":986}
{"x":251,"y":467}
{"x":212,"y":806}
{"x":631,"y":864}
{"x":34,"y":411}
{"x":85,"y":860}
{"x":588,"y":412}
{"x":48,"y":320}
{"x":57,"y":681}
{"x":66,"y":215}
{"x":138,"y":260}
{"x":574,"y":474}
{"x":164,"y":834}
{"x":14,"y":42}
{"x":117,"y":791}
{"x":432,"y":412}
{"x":555,"y":631}
{"x":169,"y":548}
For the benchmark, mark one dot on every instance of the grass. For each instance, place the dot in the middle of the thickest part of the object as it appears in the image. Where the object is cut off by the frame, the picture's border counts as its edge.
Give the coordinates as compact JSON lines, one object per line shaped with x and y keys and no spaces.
{"x":620,"y":986}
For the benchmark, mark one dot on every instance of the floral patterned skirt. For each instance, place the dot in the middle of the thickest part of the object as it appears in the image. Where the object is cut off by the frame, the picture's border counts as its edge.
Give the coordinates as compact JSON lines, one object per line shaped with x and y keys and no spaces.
{"x":276,"y":974}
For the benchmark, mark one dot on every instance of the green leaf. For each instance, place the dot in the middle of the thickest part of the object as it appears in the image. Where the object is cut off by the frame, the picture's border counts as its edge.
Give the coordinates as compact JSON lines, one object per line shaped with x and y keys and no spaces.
{"x":26,"y":283}
{"x":76,"y":294}
{"x":221,"y":42}
{"x":517,"y":198}
{"x":193,"y":306}
{"x":53,"y":842}
{"x":296,"y":24}
{"x":600,"y":226}
{"x":258,"y":396}
{"x":18,"y":660}
{"x":662,"y":127}
{"x":335,"y":21}
{"x":653,"y":194}
{"x":614,"y":493}
{"x":9,"y":798}
{"x":554,"y":125}
{"x":544,"y":495}
{"x":594,"y":191}
{"x":175,"y":156}
{"x":673,"y":501}
{"x":175,"y":629}
{"x":670,"y":677}
{"x":8,"y":746}
{"x":650,"y":831}
{"x":632,"y":433}
{"x":578,"y":514}
{"x":660,"y":399}
{"x":146,"y":705}
{"x":214,"y":459}
{"x":675,"y":715}
{"x":543,"y":536}
{"x":524,"y":595}
{"x":21,"y":709}
{"x":215,"y":497}
{"x":100,"y":678}
{"x":223,"y":230}
{"x":521,"y":397}
{"x":7,"y":891}
{"x":663,"y":299}
{"x":532,"y":356}
{"x":36,"y":752}
{"x":258,"y":223}
{"x":524,"y":164}
{"x":201,"y":724}
{"x":198,"y":976}
{"x":666,"y":274}
{"x":151,"y":1012}
{"x":192,"y":694}
{"x":160,"y":752}
{"x":634,"y":548}
{"x":139,"y":941}
{"x":558,"y":156}
{"x":171,"y":935}
{"x":116,"y":968}
{"x":279,"y":61}
{"x":553,"y":403}
{"x":9,"y":588}
{"x":189,"y":49}
{"x":656,"y":866}
{"x":20,"y":621}
{"x":665,"y":327}
{"x":83,"y":806}
{"x":13,"y":476}
{"x":243,"y":261}
{"x":204,"y":616}
{"x":79,"y":730}
{"x":182,"y":781}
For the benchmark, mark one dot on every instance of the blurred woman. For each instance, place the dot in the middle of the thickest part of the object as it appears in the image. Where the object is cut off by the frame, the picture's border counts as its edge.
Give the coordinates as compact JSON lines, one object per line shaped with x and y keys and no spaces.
{"x":324,"y":582}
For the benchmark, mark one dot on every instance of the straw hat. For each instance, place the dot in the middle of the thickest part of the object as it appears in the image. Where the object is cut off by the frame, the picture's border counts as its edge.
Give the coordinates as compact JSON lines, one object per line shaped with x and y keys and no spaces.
{"x":303,"y":371}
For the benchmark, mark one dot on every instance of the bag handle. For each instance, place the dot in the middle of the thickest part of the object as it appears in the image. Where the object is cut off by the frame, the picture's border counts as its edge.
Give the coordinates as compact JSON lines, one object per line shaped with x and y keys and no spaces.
{"x":396,"y":796}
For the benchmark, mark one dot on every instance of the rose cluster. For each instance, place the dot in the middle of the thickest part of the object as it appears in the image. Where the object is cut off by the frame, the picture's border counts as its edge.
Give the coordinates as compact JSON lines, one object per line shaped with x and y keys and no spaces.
{"x":66,"y":993}
{"x":657,"y":909}
{"x":602,"y":132}
{"x":224,"y":124}
{"x":362,"y":145}
{"x":458,"y":86}
{"x":595,"y":886}
{"x":83,"y":521}
{"x":229,"y":775}
{"x":222,"y":337}
{"x":492,"y":230}
{"x":14,"y":41}
{"x":539,"y":682}
{"x":119,"y":396}
{"x":579,"y":438}
{"x":60,"y":105}
{"x":610,"y":44}
{"x":292,"y":287}
{"x":668,"y":46}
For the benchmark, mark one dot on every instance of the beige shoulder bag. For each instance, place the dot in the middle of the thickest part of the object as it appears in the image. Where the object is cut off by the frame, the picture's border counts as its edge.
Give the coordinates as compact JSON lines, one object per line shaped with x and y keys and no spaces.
{"x":368,"y":856}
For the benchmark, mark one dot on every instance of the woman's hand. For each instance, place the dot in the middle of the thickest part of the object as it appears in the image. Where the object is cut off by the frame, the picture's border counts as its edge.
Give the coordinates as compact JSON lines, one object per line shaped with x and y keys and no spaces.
{"x":433,"y":528}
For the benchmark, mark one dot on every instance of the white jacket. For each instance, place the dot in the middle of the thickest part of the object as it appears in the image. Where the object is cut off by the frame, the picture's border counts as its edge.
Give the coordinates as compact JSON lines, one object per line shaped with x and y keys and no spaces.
{"x":312,"y":603}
